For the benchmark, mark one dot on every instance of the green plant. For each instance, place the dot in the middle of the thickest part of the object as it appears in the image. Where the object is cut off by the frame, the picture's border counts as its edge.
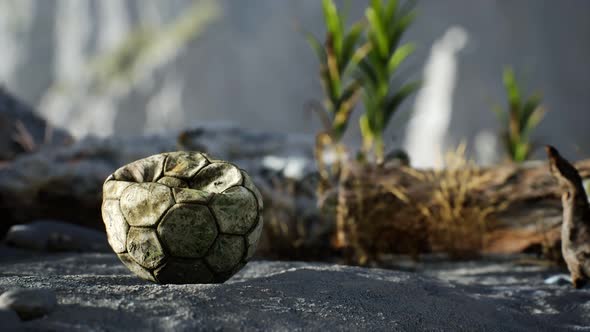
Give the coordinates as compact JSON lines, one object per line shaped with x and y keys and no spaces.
{"x":520,"y":119}
{"x":381,"y":97}
{"x":338,"y":56}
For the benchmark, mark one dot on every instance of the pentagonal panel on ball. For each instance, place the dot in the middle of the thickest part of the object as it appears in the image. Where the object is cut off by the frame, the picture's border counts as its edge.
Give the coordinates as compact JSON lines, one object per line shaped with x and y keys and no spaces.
{"x":115,"y":224}
{"x":113,"y":189}
{"x":143,"y":204}
{"x":217,"y":177}
{"x":250,"y":186}
{"x":226,"y":253}
{"x":235,"y":209}
{"x":188,"y":230}
{"x":185,"y":195}
{"x":172,"y":182}
{"x":144,"y":247}
{"x":143,"y":170}
{"x":140,"y":271}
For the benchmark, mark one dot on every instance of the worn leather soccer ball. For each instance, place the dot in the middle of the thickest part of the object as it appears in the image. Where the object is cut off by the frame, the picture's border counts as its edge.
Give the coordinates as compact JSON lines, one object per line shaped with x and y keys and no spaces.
{"x":181,"y":217}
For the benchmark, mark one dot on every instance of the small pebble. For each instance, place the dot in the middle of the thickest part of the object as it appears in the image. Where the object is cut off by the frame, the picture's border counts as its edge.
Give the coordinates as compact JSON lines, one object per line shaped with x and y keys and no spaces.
{"x":29,"y":303}
{"x":51,"y":235}
{"x":560,"y":279}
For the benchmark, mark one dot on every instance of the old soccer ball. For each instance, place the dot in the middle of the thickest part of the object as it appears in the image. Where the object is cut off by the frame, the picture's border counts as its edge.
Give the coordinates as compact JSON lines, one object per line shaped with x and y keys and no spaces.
{"x":181,"y":217}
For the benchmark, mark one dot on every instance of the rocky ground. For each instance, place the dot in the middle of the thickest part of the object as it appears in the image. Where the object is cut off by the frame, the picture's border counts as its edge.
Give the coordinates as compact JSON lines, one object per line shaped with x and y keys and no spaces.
{"x":95,"y":292}
{"x":50,"y":187}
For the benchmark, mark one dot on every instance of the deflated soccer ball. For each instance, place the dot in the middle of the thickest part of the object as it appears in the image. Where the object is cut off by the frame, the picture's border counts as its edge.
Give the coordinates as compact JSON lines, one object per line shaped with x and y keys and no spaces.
{"x":182,"y":218}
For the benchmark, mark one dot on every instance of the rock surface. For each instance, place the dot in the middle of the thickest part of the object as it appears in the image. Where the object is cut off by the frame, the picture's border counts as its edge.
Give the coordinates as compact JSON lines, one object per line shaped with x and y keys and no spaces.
{"x":65,"y":183}
{"x":96,"y":292}
{"x":10,"y":321}
{"x":50,"y":235}
{"x":29,"y":303}
{"x":22,"y":130}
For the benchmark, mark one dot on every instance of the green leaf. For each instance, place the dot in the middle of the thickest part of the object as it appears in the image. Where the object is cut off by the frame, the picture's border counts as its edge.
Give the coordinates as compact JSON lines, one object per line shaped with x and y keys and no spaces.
{"x":390,"y":10}
{"x":359,"y":55}
{"x":377,"y":6}
{"x":377,"y":34}
{"x":370,"y":108}
{"x":349,"y":46}
{"x":344,"y":109}
{"x":398,"y":28}
{"x":333,"y":73}
{"x":332,"y":92}
{"x":379,"y":68}
{"x":398,"y":98}
{"x":369,"y":76}
{"x":512,"y":89}
{"x":316,"y":46}
{"x":521,"y":152}
{"x":334,"y":25}
{"x":529,"y":107}
{"x":533,"y":121}
{"x":400,"y":54}
{"x":366,"y":131}
{"x":348,"y":94}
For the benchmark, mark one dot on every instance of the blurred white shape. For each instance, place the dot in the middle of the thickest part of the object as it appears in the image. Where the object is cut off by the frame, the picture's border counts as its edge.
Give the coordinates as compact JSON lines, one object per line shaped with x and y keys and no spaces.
{"x":329,"y":156}
{"x":291,"y":167}
{"x":296,"y":167}
{"x":427,"y":129}
{"x":114,"y":15}
{"x":274,"y":163}
{"x":486,"y":148}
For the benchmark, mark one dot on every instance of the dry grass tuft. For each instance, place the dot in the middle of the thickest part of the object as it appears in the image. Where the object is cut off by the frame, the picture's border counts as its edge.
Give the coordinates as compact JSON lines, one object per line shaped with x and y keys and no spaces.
{"x":455,"y":216}
{"x":373,"y":217}
{"x":380,"y":211}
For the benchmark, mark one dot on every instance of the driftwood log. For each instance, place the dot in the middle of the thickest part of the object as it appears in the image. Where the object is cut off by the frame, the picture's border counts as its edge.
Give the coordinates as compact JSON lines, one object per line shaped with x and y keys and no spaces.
{"x":513,"y":208}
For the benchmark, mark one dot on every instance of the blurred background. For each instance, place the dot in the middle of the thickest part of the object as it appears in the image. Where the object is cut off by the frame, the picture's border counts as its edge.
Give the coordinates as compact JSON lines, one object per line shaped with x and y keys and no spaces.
{"x":126,"y":68}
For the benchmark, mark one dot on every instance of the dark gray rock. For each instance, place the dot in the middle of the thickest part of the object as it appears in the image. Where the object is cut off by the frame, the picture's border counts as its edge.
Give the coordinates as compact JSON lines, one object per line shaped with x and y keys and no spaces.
{"x":18,"y":122}
{"x":11,"y":253}
{"x":10,"y":321}
{"x":29,"y":303}
{"x":65,"y":183}
{"x":56,"y":236}
{"x":98,"y":293}
{"x":234,"y":143}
